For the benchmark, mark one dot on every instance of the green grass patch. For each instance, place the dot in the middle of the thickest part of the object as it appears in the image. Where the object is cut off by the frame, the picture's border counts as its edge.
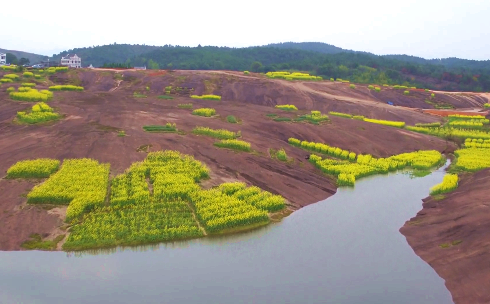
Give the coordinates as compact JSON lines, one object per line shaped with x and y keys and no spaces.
{"x":65,"y":88}
{"x":316,"y":117}
{"x":282,"y":119}
{"x":185,"y":105}
{"x":36,"y":243}
{"x":139,"y":95}
{"x":168,"y":128}
{"x":271,"y":115}
{"x":165,"y":97}
{"x":121,"y":133}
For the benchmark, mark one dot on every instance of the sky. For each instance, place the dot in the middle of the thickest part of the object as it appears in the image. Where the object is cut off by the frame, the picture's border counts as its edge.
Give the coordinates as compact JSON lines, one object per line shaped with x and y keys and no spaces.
{"x":424,"y":28}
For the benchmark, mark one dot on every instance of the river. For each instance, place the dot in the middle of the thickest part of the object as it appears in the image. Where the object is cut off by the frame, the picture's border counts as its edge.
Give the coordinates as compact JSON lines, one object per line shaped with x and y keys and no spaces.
{"x":345,"y":249}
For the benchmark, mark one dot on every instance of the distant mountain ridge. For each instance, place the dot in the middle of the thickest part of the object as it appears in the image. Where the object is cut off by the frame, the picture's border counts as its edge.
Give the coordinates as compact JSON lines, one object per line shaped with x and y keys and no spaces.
{"x":325,"y":48}
{"x":322,"y":59}
{"x":33,"y":58}
{"x":318,"y":47}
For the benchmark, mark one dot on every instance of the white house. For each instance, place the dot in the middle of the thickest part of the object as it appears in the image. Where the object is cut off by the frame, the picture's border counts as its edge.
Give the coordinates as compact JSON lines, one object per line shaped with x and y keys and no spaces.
{"x":71,"y":61}
{"x":3,"y":59}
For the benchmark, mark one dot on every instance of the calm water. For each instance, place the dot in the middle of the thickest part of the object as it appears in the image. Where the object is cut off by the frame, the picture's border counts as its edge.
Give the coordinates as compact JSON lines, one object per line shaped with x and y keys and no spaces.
{"x":346,"y":249}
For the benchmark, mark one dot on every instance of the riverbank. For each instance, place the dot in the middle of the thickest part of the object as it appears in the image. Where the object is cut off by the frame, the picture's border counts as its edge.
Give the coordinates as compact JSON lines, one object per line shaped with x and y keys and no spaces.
{"x":451,"y":233}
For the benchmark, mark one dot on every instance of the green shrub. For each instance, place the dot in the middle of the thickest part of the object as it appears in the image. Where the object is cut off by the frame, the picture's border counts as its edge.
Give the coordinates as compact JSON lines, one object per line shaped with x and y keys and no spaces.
{"x":65,"y":88}
{"x":406,"y":93}
{"x":24,"y":89}
{"x":358,"y":117}
{"x":352,"y":86}
{"x":331,"y":79}
{"x":377,"y":89}
{"x":6,"y":80}
{"x":432,"y":95}
{"x":37,"y":76}
{"x":28,"y":84}
{"x":206,"y":112}
{"x":28,"y":74}
{"x":10,"y":89}
{"x":246,"y":72}
{"x":487,"y":105}
{"x":231,"y":119}
{"x":281,"y":155}
{"x":371,"y":87}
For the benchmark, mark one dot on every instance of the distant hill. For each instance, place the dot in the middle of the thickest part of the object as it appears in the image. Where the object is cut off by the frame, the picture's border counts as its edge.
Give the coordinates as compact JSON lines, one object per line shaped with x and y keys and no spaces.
{"x":325,"y":48}
{"x":318,"y":47}
{"x":33,"y":58}
{"x":99,"y":55}
{"x":328,"y":61}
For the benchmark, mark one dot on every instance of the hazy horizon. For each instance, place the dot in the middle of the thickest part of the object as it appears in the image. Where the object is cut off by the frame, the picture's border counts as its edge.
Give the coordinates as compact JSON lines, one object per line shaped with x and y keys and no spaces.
{"x":439,"y":29}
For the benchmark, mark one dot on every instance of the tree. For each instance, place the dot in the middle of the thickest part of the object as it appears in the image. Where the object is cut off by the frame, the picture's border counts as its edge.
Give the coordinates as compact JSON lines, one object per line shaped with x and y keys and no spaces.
{"x":23,"y":61}
{"x":256,"y":66}
{"x":152,"y":65}
{"x":12,"y":59}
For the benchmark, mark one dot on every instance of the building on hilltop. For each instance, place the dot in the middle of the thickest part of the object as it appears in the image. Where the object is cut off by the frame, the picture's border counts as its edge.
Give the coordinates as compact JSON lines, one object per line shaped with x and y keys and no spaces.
{"x":3,"y":59}
{"x":71,"y":61}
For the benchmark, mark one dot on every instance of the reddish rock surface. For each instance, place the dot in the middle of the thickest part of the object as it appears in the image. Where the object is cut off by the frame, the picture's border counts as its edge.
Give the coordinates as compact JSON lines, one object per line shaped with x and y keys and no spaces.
{"x":453,"y":235}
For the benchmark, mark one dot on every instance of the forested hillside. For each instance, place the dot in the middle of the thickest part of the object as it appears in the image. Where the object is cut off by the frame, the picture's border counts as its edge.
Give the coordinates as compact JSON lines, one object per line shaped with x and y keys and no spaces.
{"x":98,"y":55}
{"x":321,"y":59}
{"x":359,"y":67}
{"x":33,"y":58}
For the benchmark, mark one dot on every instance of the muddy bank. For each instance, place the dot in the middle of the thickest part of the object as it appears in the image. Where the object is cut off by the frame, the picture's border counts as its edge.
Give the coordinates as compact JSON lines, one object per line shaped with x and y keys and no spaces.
{"x":452,"y":235}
